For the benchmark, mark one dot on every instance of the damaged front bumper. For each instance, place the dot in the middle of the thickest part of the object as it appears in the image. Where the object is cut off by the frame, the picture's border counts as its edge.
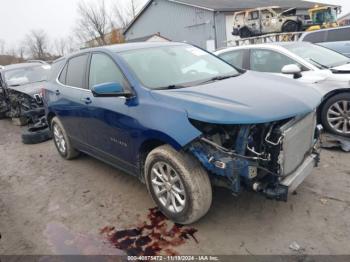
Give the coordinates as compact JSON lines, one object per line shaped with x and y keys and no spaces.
{"x":272,"y":159}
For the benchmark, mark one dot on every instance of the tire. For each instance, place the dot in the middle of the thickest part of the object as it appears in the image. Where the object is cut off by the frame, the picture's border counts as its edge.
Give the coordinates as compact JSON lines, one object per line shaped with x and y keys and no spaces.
{"x":36,"y":135}
{"x":290,"y":26}
{"x":331,"y":115}
{"x":62,"y":141}
{"x":187,"y":176}
{"x":245,"y":33}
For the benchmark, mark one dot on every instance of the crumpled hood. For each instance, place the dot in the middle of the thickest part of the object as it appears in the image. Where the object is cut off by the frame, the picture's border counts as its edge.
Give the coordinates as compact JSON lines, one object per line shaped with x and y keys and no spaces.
{"x":29,"y":89}
{"x":247,"y":99}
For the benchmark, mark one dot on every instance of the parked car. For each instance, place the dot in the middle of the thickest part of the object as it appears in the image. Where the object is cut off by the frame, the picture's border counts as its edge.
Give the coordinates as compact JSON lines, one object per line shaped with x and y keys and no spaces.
{"x":325,"y":69}
{"x":337,"y":39}
{"x":180,"y":120}
{"x":20,"y":98}
{"x":265,"y":20}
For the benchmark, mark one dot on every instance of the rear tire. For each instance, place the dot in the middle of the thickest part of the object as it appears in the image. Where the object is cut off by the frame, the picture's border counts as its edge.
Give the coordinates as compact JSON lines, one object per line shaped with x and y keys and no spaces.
{"x":245,"y":33}
{"x":290,"y":26}
{"x":172,"y":172}
{"x":335,"y":114}
{"x":62,"y":141}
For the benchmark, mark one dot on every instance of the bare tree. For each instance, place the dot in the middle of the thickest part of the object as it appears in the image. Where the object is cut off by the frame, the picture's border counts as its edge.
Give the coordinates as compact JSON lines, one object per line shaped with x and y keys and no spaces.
{"x":2,"y":46}
{"x":61,"y":46}
{"x":37,"y":43}
{"x":125,"y":13}
{"x":93,"y":23}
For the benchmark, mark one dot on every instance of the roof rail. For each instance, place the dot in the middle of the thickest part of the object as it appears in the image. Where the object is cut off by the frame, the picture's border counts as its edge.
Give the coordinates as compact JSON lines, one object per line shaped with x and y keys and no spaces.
{"x":37,"y":61}
{"x":270,"y":38}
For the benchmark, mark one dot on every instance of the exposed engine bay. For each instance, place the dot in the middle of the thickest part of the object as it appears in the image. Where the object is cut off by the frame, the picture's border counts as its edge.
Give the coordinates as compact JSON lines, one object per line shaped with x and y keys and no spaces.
{"x":16,"y":104}
{"x":257,"y":157}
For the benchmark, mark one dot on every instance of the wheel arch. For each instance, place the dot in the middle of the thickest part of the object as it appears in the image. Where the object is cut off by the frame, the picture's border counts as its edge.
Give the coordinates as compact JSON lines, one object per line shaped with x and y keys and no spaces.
{"x":49,"y":118}
{"x":150,"y":144}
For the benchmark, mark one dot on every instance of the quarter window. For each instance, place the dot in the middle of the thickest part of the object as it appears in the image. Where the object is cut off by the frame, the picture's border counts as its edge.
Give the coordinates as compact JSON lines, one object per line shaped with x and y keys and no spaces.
{"x":268,"y":61}
{"x":104,"y":70}
{"x":76,"y":71}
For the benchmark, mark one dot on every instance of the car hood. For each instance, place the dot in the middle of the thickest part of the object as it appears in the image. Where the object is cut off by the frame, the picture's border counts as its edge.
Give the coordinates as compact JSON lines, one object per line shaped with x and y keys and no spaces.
{"x":29,"y":89}
{"x":247,"y":99}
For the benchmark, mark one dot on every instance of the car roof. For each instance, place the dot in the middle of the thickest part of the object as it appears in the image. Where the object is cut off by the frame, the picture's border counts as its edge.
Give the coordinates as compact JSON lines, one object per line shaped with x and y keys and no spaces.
{"x":130,"y":46}
{"x":21,"y":65}
{"x":274,"y":45}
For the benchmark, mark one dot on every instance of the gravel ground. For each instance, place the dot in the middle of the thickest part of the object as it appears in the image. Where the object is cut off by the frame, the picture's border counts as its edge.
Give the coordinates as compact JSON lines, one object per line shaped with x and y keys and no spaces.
{"x":52,"y":206}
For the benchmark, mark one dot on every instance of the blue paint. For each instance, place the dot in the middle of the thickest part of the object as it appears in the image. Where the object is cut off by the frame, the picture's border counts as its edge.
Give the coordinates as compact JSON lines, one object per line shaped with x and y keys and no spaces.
{"x":114,"y":129}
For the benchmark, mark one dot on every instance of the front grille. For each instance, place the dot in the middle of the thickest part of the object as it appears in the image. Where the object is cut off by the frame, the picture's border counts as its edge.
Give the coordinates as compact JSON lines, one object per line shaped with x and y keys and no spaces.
{"x":298,"y":141}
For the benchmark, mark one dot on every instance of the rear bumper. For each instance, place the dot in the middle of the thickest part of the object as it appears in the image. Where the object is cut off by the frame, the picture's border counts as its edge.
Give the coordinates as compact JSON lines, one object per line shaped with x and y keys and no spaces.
{"x":293,"y":181}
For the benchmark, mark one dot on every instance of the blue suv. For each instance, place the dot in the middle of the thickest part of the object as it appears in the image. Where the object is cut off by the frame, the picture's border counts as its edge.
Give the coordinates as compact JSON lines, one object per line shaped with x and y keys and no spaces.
{"x":182,"y":120}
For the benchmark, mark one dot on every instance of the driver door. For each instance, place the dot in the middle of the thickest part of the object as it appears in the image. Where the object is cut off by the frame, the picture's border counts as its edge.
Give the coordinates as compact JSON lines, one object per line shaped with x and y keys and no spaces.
{"x":106,"y":119}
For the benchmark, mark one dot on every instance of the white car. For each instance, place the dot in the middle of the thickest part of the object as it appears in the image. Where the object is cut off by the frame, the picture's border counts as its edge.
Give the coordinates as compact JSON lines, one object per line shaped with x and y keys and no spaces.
{"x":326,"y":70}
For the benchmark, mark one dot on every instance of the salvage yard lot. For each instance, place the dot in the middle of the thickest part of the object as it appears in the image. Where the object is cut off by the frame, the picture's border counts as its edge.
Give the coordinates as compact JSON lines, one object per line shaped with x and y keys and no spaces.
{"x":52,"y":206}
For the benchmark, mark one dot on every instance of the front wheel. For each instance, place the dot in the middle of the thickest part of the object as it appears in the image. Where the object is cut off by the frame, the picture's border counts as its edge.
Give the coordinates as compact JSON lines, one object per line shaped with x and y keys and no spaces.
{"x":335,"y":115}
{"x":178,"y":184}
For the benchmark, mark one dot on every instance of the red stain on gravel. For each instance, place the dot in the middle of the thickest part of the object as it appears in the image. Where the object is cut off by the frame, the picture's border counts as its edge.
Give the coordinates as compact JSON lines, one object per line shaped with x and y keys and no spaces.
{"x":155,"y":236}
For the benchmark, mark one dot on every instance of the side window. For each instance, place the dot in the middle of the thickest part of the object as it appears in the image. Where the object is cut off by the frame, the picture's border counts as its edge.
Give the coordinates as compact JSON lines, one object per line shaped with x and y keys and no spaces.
{"x":268,"y":61}
{"x":62,"y":78}
{"x":56,"y":69}
{"x":104,"y":70}
{"x":76,"y":71}
{"x":315,"y":37}
{"x":342,"y":34}
{"x":253,"y":15}
{"x":234,"y":58}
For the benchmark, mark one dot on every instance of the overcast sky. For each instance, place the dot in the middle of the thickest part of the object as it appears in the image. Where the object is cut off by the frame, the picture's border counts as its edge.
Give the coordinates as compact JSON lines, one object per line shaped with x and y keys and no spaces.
{"x":56,"y":17}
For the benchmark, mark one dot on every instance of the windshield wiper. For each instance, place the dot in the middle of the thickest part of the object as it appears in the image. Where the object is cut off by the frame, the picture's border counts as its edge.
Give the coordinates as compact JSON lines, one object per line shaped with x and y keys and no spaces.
{"x":170,"y":87}
{"x":218,"y":78}
{"x":317,"y":63}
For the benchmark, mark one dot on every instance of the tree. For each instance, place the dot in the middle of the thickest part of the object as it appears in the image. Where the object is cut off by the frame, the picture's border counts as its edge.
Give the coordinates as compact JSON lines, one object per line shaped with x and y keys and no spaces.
{"x":37,"y":43}
{"x":2,"y":46}
{"x":61,"y":46}
{"x":125,"y":13}
{"x":93,"y":23}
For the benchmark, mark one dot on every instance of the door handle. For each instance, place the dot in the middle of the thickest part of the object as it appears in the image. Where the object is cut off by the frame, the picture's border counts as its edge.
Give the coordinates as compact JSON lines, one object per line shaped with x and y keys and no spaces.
{"x":86,"y":100}
{"x":58,"y":92}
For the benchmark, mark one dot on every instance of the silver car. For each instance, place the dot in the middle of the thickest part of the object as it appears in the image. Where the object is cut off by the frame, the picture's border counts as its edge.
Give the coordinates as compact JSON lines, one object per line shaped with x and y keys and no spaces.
{"x":324,"y":69}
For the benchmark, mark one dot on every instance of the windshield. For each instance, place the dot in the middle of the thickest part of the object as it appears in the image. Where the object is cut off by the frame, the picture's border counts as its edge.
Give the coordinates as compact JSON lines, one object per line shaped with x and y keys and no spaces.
{"x":27,"y":75}
{"x":326,"y":16}
{"x":175,"y":66}
{"x":318,"y":56}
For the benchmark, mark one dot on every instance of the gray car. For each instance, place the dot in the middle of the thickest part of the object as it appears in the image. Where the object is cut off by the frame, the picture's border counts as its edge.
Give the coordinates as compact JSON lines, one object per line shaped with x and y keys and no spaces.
{"x":321,"y":68}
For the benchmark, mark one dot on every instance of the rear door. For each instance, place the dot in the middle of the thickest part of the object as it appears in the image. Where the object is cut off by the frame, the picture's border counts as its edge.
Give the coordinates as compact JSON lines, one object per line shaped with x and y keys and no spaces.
{"x":69,"y":92}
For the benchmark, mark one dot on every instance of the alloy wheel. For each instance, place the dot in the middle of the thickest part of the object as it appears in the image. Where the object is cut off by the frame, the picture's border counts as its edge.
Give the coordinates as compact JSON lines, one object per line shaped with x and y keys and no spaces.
{"x":338,"y":116}
{"x":168,"y":187}
{"x":59,"y":139}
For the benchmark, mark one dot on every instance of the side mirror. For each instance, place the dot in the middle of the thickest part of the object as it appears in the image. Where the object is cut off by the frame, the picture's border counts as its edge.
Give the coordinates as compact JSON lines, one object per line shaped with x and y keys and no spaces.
{"x":292,"y":69}
{"x":109,"y":90}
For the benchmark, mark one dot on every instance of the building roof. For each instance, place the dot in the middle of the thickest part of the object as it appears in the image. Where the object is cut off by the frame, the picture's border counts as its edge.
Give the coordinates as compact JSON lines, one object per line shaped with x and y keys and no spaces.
{"x":235,"y":5}
{"x":231,"y":5}
{"x":145,"y":38}
{"x":346,"y":16}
